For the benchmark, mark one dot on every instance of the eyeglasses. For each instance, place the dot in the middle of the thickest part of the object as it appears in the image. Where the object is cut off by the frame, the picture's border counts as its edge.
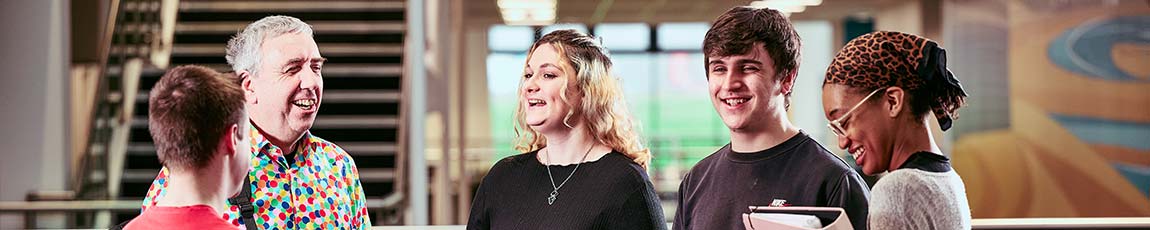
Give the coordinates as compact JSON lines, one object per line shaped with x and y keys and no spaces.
{"x":836,"y":125}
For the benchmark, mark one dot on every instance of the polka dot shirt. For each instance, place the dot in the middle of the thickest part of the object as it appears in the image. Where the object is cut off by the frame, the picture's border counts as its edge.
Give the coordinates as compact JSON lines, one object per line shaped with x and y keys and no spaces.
{"x":320,"y":189}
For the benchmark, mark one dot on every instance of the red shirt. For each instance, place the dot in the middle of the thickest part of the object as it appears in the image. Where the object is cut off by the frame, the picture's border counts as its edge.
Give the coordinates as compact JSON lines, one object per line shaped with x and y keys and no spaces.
{"x":320,"y":189}
{"x":176,"y":218}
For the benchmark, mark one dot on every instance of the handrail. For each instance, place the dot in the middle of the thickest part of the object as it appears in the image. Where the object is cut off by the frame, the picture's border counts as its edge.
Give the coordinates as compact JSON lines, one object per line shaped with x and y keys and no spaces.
{"x":1062,"y":223}
{"x":149,"y":40}
{"x":98,"y":89}
{"x":76,"y":205}
{"x":137,"y":35}
{"x":376,"y":204}
{"x":122,"y":205}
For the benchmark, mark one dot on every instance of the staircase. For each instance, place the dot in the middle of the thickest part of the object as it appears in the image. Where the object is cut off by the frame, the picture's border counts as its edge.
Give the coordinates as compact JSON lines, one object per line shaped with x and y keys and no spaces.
{"x":363,"y":42}
{"x":136,"y":36}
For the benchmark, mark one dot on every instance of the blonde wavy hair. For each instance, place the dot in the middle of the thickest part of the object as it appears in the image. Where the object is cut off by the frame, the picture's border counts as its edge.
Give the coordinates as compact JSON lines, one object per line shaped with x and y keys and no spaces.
{"x":602,"y":109}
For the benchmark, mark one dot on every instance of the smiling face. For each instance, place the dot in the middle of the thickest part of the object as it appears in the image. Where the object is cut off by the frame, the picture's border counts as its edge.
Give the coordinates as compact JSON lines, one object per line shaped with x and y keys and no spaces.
{"x":541,"y":94}
{"x":745,"y":89}
{"x":864,"y":128}
{"x":285,"y":95}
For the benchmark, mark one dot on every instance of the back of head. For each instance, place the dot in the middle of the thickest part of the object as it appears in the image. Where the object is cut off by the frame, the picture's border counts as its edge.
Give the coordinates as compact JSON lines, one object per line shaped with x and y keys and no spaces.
{"x":243,"y":51}
{"x":189,"y":111}
{"x":603,"y":108}
{"x":741,"y":28}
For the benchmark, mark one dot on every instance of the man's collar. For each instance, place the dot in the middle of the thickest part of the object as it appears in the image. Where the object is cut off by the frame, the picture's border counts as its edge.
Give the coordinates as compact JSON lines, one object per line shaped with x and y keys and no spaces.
{"x":258,"y":139}
{"x":260,"y":143}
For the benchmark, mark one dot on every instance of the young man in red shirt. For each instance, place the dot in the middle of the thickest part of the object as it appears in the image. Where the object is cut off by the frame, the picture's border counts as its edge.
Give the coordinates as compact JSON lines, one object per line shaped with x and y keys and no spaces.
{"x":197,"y":120}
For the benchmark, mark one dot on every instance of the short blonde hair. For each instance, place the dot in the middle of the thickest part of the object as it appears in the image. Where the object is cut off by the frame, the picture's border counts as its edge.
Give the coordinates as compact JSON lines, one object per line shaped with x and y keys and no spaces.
{"x":602,"y":109}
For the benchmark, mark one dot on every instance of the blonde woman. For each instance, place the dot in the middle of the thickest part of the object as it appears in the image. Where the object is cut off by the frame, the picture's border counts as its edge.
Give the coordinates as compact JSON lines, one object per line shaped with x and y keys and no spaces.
{"x":582,"y":165}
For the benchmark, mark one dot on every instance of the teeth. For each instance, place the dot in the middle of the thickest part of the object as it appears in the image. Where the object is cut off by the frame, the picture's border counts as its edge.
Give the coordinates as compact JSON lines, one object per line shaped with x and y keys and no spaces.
{"x":535,"y":101}
{"x":304,"y":102}
{"x":735,"y":101}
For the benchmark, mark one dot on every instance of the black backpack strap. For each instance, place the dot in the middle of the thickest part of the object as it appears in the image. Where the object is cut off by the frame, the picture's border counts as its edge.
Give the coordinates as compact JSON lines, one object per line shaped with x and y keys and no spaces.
{"x":244,"y":202}
{"x":121,"y":225}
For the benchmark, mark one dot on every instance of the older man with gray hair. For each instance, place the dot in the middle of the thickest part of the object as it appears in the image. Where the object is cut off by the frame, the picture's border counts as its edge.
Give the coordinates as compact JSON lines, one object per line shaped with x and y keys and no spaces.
{"x":297,"y":180}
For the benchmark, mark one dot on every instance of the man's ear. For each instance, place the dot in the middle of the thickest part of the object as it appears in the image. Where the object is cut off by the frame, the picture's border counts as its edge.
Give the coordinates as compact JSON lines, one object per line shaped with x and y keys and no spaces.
{"x":228,"y":141}
{"x":246,"y":85}
{"x":894,"y":100}
{"x":788,"y":82}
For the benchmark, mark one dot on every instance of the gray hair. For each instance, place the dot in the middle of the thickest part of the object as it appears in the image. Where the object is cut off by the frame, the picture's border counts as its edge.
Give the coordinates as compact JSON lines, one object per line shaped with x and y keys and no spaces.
{"x":243,"y":51}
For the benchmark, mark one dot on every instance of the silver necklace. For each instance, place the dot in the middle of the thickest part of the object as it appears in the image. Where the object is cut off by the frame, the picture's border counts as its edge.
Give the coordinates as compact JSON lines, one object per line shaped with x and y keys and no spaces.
{"x":555,"y":189}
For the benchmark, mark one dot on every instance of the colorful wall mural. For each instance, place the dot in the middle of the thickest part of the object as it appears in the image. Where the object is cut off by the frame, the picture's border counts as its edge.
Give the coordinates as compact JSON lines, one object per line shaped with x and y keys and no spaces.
{"x":1078,"y":143}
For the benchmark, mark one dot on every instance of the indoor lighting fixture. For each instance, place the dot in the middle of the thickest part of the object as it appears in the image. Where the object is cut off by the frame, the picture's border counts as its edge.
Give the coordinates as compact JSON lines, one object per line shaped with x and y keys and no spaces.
{"x":527,"y":12}
{"x":786,"y":6}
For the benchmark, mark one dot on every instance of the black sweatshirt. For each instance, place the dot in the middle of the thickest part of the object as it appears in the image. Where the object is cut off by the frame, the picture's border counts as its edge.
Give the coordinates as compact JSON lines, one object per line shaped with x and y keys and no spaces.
{"x":797,"y":172}
{"x":610,"y":193}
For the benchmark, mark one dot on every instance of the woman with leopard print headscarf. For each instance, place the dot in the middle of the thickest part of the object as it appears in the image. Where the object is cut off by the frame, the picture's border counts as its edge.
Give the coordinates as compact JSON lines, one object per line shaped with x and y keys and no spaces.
{"x":877,"y":94}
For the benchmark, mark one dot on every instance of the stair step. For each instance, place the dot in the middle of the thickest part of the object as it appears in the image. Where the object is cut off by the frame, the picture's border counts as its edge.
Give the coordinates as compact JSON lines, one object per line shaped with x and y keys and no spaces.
{"x":331,"y":82}
{"x":327,"y":109}
{"x":355,"y":149}
{"x":380,"y":155}
{"x":251,"y":16}
{"x":330,"y":96}
{"x":140,"y":175}
{"x":327,"y":49}
{"x":222,"y":38}
{"x":342,"y":59}
{"x":349,"y":135}
{"x":329,"y":70}
{"x":376,"y":175}
{"x":363,"y":41}
{"x":134,"y":6}
{"x":366,"y":175}
{"x":360,"y":149}
{"x":96,"y":150}
{"x":139,"y":28}
{"x":322,"y":122}
{"x":319,"y":27}
{"x":137,"y":191}
{"x":354,"y":121}
{"x":144,"y":73}
{"x":359,"y":96}
{"x":272,"y":6}
{"x":362,"y":70}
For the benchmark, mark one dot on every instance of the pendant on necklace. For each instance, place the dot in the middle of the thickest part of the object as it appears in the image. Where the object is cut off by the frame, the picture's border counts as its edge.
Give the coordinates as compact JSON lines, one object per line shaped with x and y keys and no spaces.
{"x":551,"y":199}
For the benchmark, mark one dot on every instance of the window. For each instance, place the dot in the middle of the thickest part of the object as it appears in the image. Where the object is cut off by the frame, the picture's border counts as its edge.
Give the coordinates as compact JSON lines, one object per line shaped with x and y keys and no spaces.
{"x":577,"y":27}
{"x":510,"y":38}
{"x":665,"y":88}
{"x":686,"y":36}
{"x":624,"y":36}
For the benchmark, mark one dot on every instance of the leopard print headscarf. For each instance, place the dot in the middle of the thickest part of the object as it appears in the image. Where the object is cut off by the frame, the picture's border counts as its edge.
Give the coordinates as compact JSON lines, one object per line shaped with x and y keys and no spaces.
{"x":912,"y":62}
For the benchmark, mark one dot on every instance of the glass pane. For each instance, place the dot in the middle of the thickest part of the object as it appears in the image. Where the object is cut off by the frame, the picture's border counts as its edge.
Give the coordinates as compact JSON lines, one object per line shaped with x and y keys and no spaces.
{"x":688,"y":127}
{"x":806,"y":96}
{"x":624,"y":36}
{"x":503,"y":72}
{"x":503,"y":38}
{"x":682,"y":36}
{"x":577,"y":27}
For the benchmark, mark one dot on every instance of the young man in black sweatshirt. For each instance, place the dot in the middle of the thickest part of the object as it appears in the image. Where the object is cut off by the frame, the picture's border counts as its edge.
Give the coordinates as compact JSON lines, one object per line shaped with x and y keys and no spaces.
{"x":752,"y":57}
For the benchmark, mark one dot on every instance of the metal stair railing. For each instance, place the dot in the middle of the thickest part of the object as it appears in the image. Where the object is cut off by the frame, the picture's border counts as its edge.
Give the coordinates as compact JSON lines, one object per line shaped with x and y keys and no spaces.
{"x":138,"y":35}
